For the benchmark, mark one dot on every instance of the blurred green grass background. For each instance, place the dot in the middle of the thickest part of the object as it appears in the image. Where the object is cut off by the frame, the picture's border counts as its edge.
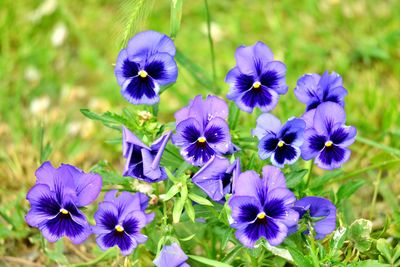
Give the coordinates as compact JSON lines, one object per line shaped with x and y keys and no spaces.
{"x":57,"y":57}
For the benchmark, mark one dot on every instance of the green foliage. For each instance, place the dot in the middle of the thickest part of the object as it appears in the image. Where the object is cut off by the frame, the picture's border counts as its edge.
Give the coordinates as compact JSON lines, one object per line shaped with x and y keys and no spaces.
{"x":359,"y":233}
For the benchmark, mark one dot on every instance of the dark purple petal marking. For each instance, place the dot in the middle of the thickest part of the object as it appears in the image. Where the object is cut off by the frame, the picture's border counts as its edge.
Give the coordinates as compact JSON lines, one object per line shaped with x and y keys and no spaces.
{"x":270,"y":144}
{"x":284,"y":152}
{"x":109,"y":220}
{"x":47,"y":205}
{"x":275,"y":208}
{"x":332,"y":154}
{"x":288,"y":138}
{"x":63,"y":224}
{"x":214,"y":134}
{"x":191,"y":134}
{"x":141,"y":86}
{"x":156,"y":70}
{"x":200,"y":151}
{"x":248,"y":213}
{"x":129,"y":69}
{"x":121,"y":239}
{"x":257,"y":96}
{"x":131,"y":226}
{"x":339,"y":135}
{"x":244,"y":83}
{"x":317,"y":142}
{"x":270,"y":79}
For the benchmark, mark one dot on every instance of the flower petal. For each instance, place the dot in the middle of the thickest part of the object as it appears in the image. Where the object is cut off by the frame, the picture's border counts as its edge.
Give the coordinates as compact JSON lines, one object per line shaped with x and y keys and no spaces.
{"x":274,"y":77}
{"x":313,"y":144}
{"x":327,"y":116}
{"x":162,"y":68}
{"x":306,"y":90}
{"x":187,"y":132}
{"x":266,"y":124}
{"x":138,"y":90}
{"x":124,"y":68}
{"x":150,"y":43}
{"x":332,"y":157}
{"x":273,"y":177}
{"x":208,"y":178}
{"x":287,"y":154}
{"x":264,"y":98}
{"x":171,"y":255}
{"x":249,"y":59}
{"x":217,"y":135}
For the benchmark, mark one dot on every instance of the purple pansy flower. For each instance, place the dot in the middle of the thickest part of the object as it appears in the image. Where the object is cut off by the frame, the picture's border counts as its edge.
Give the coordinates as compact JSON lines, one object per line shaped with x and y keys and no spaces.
{"x":322,"y":213}
{"x":143,"y":162}
{"x":217,"y":177}
{"x":119,"y":220}
{"x":146,"y":64}
{"x":262,"y":207}
{"x":56,"y":198}
{"x":313,"y":89}
{"x":171,"y":256}
{"x":281,"y":143}
{"x":202,"y":130}
{"x":328,"y":138}
{"x":257,"y":80}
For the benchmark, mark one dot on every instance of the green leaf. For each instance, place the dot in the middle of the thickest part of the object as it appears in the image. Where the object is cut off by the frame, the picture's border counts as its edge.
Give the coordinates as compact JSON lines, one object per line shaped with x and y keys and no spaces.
{"x":383,"y":147}
{"x":359,"y":233}
{"x":200,"y":200}
{"x":176,"y":16}
{"x":136,"y":12}
{"x":232,"y":254}
{"x":198,"y":74}
{"x":187,"y":238}
{"x":177,"y":211}
{"x":348,"y":189}
{"x":294,"y":178}
{"x":57,"y":254}
{"x":369,"y":263}
{"x":209,"y":262}
{"x":384,"y":248}
{"x":171,"y":193}
{"x":281,"y":252}
{"x":299,"y":258}
{"x":339,"y":236}
{"x":109,"y":119}
{"x":190,"y":210}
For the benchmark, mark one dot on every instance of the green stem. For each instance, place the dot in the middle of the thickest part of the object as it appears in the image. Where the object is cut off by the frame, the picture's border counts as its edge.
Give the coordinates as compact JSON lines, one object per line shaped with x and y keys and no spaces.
{"x":211,"y":43}
{"x":94,"y":261}
{"x":310,"y":165}
{"x":357,"y":172}
{"x":375,"y":195}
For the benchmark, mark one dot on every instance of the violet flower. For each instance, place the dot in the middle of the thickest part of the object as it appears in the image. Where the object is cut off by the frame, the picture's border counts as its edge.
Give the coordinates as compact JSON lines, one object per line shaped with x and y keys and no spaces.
{"x":217,"y":177}
{"x":56,"y":198}
{"x":328,"y":138}
{"x":202,"y":130}
{"x":171,"y":256}
{"x":144,"y":66}
{"x":320,"y":211}
{"x":143,"y":162}
{"x":313,"y":89}
{"x":262,"y":207}
{"x":280,"y":143}
{"x":119,"y":221}
{"x":257,"y":80}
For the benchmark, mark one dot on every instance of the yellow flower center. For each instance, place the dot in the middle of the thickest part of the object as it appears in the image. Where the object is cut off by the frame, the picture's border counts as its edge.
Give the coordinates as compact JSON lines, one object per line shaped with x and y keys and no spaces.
{"x":328,"y":143}
{"x":202,"y":140}
{"x":142,"y":73}
{"x":64,"y":211}
{"x":119,"y":228}
{"x":261,"y":215}
{"x":281,"y":143}
{"x":256,"y":85}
